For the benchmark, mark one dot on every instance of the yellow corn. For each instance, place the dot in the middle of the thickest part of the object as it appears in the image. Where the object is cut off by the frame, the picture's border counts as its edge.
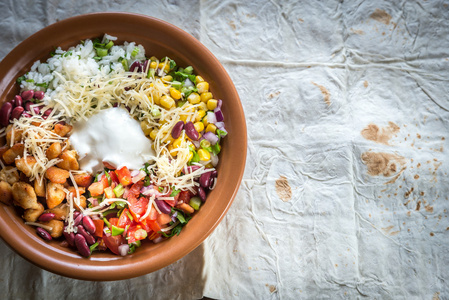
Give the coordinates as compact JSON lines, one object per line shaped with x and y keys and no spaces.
{"x":203,"y":87}
{"x":177,"y":143}
{"x":153,"y":65}
{"x":167,"y":78}
{"x":199,"y":79}
{"x":199,"y":115}
{"x":183,"y":118}
{"x":205,"y":121}
{"x":204,"y":155}
{"x":169,"y":140}
{"x":167,"y":101}
{"x":153,"y":133}
{"x":212,"y":104}
{"x":146,"y":128}
{"x":211,"y":128}
{"x":154,"y":58}
{"x":194,"y":98}
{"x":175,"y":93}
{"x":202,"y":106}
{"x":206,"y":96}
{"x":172,"y":150}
{"x":199,"y":126}
{"x":164,"y":66}
{"x":190,"y":156}
{"x":209,"y":166}
{"x":156,"y":98}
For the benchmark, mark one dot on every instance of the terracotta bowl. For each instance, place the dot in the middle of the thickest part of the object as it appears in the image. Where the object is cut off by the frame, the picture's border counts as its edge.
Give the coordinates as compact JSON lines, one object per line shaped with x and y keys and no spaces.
{"x":160,"y":39}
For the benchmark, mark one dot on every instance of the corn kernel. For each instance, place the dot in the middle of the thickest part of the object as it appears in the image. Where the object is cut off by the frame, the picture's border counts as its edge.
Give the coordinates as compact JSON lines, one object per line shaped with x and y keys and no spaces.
{"x":206,"y":96}
{"x":199,"y":126}
{"x":202,"y":106}
{"x":199,"y":79}
{"x":146,"y":128}
{"x":194,"y":98}
{"x":202,"y":87}
{"x":204,"y":154}
{"x":211,"y":128}
{"x":172,"y":150}
{"x":205,"y":121}
{"x":212,"y":104}
{"x":153,"y":65}
{"x":156,"y":97}
{"x":199,"y":115}
{"x":164,"y":66}
{"x":153,"y":133}
{"x":154,"y":58}
{"x":177,"y":143}
{"x":183,"y":118}
{"x":167,"y":78}
{"x":209,"y":166}
{"x":167,"y":101}
{"x":169,"y":140}
{"x":190,"y":156}
{"x":175,"y":93}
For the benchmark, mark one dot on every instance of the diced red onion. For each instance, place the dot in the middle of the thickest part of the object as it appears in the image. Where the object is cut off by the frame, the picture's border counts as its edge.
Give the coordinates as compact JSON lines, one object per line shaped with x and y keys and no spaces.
{"x":138,"y":177}
{"x":134,"y":173}
{"x":188,"y":83}
{"x":211,"y":137}
{"x":213,"y":159}
{"x":211,"y":118}
{"x":196,"y":143}
{"x":123,"y":249}
{"x":94,"y":201}
{"x":158,"y":240}
{"x":219,"y":103}
{"x":218,"y":115}
{"x":150,"y":191}
{"x":106,"y":231}
{"x":173,"y":217}
{"x":220,"y":125}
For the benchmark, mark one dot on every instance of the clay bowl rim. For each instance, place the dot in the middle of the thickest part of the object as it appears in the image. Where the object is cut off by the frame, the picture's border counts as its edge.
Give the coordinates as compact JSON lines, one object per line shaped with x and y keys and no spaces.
{"x":164,"y":39}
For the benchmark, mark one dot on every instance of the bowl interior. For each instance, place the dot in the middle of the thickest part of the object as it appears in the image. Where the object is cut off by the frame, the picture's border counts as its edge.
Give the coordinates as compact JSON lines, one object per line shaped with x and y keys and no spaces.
{"x":159,"y":39}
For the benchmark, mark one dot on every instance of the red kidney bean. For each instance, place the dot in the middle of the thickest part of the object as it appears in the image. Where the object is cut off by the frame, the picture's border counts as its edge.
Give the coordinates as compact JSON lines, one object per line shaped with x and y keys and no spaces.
{"x":191,"y":131}
{"x":48,"y":112}
{"x":5,"y":113}
{"x":27,"y":105}
{"x":26,"y":115}
{"x":39,"y":95}
{"x":205,"y":180}
{"x":214,"y":174}
{"x":17,"y":112}
{"x":46,"y":217}
{"x":78,"y":219}
{"x":44,"y":117}
{"x":190,"y":169}
{"x":164,"y":207}
{"x":27,"y":95}
{"x":136,"y":66}
{"x":176,"y":131}
{"x":18,"y":100}
{"x":89,"y":239}
{"x":43,"y":233}
{"x":70,"y":237}
{"x":201,"y":194}
{"x":81,"y":245}
{"x":88,"y":224}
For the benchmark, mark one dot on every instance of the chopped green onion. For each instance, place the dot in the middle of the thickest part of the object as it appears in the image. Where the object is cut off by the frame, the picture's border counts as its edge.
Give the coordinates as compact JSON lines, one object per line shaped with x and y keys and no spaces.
{"x":195,"y":202}
{"x":107,"y":222}
{"x":181,"y":103}
{"x":221,"y":133}
{"x":125,"y":65}
{"x":176,"y":84}
{"x":119,"y":190}
{"x":93,"y":247}
{"x":174,"y":192}
{"x":20,"y":79}
{"x":188,"y":70}
{"x":147,"y":181}
{"x":155,"y":112}
{"x":216,"y":148}
{"x":107,"y":176}
{"x":29,"y":80}
{"x":151,"y":73}
{"x":135,"y":52}
{"x":205,"y":144}
{"x":161,"y":189}
{"x":129,"y":215}
{"x":101,"y":52}
{"x":109,"y":45}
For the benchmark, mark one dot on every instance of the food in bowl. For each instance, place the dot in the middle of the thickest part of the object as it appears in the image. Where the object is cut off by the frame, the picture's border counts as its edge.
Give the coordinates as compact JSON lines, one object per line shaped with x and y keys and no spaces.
{"x":106,"y":147}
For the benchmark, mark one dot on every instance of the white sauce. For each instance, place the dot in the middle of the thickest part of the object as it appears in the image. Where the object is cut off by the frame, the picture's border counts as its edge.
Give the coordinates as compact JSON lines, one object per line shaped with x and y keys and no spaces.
{"x":112,"y":136}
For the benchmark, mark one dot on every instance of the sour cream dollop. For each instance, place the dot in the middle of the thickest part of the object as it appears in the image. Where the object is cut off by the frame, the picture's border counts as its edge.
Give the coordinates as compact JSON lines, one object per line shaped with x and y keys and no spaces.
{"x":112,"y":136}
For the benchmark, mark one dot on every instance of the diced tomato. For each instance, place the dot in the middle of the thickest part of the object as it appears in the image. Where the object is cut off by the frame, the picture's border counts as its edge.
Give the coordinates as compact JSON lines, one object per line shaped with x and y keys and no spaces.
{"x":154,"y":225}
{"x":163,"y":219}
{"x":105,"y":181}
{"x":109,"y":193}
{"x":184,"y":197}
{"x":124,"y":176}
{"x":138,"y":208}
{"x":135,"y":189}
{"x":98,"y":227}
{"x":113,"y":221}
{"x":96,"y":189}
{"x":114,"y":177}
{"x":124,"y":219}
{"x":136,"y":233}
{"x":153,"y":235}
{"x":112,"y":242}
